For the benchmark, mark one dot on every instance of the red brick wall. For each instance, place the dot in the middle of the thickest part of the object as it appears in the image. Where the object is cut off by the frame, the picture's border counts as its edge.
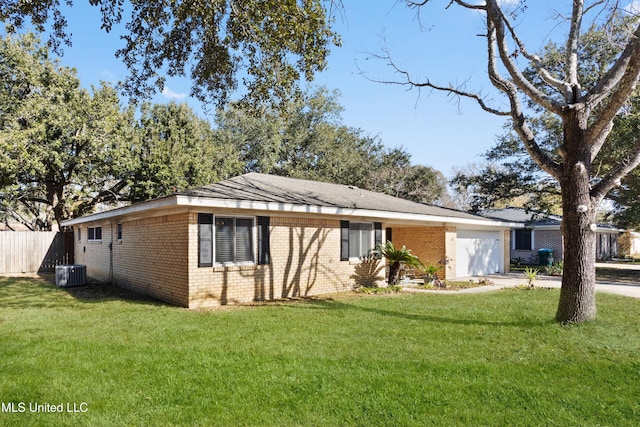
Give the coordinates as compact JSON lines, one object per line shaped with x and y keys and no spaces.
{"x":427,"y":243}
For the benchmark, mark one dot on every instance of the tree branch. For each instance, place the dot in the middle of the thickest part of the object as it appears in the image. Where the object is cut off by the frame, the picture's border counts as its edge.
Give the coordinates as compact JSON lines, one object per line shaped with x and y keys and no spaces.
{"x":572,"y":50}
{"x":598,"y":141}
{"x":619,"y":71}
{"x":615,"y":175}
{"x":497,"y":19}
{"x":521,"y":127}
{"x":563,"y":87}
{"x":417,"y":4}
{"x":622,"y":77}
{"x":407,"y":80}
{"x":108,"y":194}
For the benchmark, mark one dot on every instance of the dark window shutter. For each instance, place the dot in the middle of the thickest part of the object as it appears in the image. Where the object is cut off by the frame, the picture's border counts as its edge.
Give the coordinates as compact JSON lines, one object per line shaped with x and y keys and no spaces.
{"x":205,"y":240}
{"x":378,"y":234}
{"x":389,"y":236}
{"x":264,"y":255}
{"x":344,"y":240}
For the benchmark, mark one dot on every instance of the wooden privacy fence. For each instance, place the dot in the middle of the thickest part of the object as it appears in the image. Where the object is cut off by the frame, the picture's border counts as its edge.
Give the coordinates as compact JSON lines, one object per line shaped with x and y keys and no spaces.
{"x":34,"y":251}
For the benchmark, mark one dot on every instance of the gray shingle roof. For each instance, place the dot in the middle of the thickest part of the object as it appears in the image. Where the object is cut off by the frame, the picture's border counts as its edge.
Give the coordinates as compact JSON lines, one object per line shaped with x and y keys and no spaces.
{"x":271,"y":188}
{"x":256,"y":189}
{"x":522,"y":216}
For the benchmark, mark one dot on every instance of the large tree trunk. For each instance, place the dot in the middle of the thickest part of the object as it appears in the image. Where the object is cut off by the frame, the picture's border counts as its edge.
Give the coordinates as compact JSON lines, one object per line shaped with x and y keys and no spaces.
{"x":577,"y":295}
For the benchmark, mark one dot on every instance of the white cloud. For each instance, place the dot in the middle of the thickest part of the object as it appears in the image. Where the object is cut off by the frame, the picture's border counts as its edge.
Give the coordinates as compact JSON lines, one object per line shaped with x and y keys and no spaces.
{"x":168,"y":93}
{"x":107,"y":76}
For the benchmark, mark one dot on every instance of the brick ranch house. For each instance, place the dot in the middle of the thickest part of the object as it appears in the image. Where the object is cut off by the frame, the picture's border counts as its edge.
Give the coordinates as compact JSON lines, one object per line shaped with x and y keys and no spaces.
{"x":260,"y":237}
{"x":544,"y":232}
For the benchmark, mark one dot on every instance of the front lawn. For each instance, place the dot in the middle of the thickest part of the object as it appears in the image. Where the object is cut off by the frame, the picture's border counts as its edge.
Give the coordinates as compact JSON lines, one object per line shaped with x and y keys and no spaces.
{"x":494,"y":358}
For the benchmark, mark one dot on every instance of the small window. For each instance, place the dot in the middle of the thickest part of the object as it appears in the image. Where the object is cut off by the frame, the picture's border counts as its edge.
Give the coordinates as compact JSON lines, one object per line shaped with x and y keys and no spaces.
{"x":94,"y":233}
{"x":360,"y":239}
{"x":119,"y":232}
{"x":523,"y":239}
{"x":79,"y":235}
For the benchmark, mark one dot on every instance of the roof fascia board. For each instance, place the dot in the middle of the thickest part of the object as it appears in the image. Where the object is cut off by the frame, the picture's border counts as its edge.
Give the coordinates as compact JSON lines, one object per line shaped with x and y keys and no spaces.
{"x":203,"y":202}
{"x":150,"y":205}
{"x":335,"y":211}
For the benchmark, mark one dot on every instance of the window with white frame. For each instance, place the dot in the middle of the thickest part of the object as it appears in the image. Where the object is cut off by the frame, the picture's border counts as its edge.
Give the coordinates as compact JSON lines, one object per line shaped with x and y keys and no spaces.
{"x":522,"y":239}
{"x":94,"y":234}
{"x":225,"y":240}
{"x":233,"y":240}
{"x":119,"y":231}
{"x":359,"y":239}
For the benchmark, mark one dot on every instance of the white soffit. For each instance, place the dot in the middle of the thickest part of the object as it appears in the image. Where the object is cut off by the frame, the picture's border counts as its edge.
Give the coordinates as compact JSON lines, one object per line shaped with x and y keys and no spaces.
{"x":203,"y":202}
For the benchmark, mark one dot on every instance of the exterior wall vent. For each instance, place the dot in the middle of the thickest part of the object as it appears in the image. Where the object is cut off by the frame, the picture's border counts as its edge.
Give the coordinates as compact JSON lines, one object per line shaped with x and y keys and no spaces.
{"x":71,"y":275}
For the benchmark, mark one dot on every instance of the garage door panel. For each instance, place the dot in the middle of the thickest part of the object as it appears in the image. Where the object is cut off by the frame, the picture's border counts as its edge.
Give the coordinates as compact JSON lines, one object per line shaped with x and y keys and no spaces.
{"x":478,"y":252}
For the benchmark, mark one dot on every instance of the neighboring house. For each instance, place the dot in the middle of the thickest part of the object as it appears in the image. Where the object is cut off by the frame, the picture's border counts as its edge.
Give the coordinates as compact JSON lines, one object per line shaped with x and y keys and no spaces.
{"x":544,"y":232}
{"x":629,"y":244}
{"x":261,"y":237}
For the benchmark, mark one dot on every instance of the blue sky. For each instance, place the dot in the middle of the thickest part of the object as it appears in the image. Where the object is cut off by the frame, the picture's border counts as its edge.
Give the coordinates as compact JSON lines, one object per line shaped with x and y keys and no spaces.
{"x":441,"y":44}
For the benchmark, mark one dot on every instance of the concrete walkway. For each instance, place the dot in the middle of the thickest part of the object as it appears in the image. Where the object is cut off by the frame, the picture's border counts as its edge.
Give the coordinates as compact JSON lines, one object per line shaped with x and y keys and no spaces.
{"x":510,"y":280}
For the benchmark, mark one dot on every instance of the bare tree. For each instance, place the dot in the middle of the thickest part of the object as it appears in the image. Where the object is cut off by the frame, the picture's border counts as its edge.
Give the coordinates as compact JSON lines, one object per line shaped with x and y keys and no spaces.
{"x":587,"y":113}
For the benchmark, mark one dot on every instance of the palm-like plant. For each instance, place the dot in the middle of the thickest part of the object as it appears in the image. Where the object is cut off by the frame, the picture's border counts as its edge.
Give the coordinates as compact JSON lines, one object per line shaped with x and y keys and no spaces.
{"x":396,"y":257}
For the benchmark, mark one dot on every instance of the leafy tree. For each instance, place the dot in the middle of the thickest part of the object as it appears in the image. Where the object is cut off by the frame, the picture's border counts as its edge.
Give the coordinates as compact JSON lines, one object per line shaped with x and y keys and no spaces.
{"x":626,"y":197}
{"x":418,"y":183}
{"x":306,"y":139}
{"x":586,"y":109}
{"x":64,"y":150}
{"x":268,"y":44}
{"x":57,"y":139}
{"x":175,"y":150}
{"x":508,"y":177}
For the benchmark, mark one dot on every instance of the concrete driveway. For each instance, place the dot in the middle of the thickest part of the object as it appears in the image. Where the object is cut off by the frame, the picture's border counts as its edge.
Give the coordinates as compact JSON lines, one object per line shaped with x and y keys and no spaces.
{"x":514,"y":279}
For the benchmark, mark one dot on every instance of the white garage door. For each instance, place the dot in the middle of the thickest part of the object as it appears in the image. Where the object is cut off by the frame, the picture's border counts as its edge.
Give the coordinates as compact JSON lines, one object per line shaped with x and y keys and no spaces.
{"x":478,"y":252}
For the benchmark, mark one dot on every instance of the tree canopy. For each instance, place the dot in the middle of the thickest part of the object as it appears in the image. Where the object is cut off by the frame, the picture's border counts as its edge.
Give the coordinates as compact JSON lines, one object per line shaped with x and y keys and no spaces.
{"x":65,"y":150}
{"x":260,"y":47}
{"x":307,"y":140}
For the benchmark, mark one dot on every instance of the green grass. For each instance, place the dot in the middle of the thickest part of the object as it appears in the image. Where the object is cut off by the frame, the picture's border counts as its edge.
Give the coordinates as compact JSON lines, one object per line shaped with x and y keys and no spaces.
{"x":406,"y":359}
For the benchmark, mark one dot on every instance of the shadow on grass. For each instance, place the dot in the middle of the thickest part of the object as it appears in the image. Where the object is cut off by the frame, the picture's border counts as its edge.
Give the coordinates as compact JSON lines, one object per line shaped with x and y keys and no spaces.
{"x":618,"y":276}
{"x":332,"y":304}
{"x":41,"y":292}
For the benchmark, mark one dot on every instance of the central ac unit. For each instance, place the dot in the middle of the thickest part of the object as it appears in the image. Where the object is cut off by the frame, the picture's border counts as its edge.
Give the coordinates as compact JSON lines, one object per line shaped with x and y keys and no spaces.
{"x":71,"y":275}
